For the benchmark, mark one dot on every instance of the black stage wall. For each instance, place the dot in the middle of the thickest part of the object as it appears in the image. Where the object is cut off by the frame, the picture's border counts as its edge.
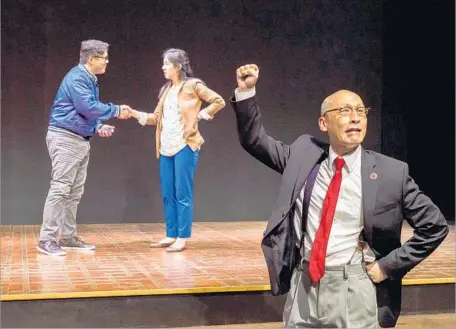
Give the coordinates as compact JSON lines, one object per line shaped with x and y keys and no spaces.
{"x":418,"y":113}
{"x":305,"y":51}
{"x":398,"y":55}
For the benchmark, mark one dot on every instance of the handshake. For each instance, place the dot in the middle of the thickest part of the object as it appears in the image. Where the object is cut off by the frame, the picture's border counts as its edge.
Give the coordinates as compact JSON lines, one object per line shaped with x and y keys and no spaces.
{"x":126,"y":112}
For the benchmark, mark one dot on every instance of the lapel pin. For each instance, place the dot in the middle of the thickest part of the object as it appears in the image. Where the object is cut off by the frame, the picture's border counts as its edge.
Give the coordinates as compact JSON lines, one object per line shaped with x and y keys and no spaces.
{"x":373,"y":175}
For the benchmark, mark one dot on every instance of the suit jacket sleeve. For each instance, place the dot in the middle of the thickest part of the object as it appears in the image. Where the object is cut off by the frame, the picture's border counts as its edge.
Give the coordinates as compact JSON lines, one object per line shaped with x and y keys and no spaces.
{"x":430,"y":229}
{"x":253,"y":136}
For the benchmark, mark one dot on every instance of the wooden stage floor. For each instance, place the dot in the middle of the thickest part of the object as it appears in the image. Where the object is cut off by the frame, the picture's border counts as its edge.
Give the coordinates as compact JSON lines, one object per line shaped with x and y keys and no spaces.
{"x":221,"y":257}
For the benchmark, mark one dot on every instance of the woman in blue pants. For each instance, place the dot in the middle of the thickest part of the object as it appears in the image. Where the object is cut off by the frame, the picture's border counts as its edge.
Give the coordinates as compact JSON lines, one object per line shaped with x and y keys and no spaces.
{"x":178,"y":142}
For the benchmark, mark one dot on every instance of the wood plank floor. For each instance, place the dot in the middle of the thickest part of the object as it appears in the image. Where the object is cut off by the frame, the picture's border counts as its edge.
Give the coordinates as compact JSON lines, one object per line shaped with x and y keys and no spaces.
{"x":221,"y":257}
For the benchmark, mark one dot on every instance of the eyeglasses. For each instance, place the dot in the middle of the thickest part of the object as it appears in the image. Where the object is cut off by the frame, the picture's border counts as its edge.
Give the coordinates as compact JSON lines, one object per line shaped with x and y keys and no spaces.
{"x":346,"y":111}
{"x":106,"y":59}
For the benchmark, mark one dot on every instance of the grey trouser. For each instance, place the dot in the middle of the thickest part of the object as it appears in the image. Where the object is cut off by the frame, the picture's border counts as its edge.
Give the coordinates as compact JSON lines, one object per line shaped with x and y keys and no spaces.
{"x":344,"y":298}
{"x":69,"y":156}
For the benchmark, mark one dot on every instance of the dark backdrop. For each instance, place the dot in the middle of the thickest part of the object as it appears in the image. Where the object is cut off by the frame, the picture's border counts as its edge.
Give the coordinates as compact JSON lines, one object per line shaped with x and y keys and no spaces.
{"x":418,"y":99}
{"x":305,"y":50}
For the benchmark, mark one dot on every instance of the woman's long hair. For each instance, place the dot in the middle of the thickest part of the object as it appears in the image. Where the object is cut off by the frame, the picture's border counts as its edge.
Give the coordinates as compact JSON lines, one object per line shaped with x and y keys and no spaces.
{"x":178,"y":58}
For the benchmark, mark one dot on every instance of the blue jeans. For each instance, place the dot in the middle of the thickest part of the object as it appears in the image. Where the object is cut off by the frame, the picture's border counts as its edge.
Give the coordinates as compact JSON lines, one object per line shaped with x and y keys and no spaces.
{"x":176,"y":179}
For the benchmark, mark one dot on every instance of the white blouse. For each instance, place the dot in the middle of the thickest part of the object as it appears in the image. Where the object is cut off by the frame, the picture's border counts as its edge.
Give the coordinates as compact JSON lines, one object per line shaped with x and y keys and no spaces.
{"x":172,"y":134}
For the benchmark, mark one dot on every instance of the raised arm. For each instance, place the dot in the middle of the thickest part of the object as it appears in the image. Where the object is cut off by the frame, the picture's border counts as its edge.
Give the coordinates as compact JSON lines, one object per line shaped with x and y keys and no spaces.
{"x":252,"y":134}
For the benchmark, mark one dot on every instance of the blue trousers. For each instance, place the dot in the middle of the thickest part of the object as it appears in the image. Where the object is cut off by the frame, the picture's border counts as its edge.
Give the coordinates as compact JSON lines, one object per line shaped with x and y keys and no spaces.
{"x":176,"y":178}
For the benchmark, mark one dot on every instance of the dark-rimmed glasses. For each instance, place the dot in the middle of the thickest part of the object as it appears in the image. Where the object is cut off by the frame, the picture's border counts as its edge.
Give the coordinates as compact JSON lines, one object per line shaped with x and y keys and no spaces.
{"x":346,"y":111}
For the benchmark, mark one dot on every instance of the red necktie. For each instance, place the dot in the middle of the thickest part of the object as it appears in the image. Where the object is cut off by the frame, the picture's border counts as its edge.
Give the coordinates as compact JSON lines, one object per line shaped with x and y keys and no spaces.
{"x":318,"y":253}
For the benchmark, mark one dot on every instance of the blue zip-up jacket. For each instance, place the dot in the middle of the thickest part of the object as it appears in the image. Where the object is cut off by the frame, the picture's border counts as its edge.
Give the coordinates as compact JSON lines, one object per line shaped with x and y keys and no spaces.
{"x":77,"y":107}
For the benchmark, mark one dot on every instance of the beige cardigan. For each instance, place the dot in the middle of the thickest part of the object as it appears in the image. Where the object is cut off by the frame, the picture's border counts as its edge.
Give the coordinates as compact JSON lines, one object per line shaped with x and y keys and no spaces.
{"x":190,"y":97}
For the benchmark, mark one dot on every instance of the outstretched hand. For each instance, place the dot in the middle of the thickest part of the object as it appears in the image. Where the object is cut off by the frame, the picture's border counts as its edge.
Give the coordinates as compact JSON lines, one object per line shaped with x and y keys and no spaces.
{"x":133,"y":113}
{"x":124,"y":112}
{"x":247,"y":76}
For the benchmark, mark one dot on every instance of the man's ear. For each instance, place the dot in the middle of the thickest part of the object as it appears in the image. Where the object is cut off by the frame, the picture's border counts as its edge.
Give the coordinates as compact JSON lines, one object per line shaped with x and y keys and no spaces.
{"x":322,"y":124}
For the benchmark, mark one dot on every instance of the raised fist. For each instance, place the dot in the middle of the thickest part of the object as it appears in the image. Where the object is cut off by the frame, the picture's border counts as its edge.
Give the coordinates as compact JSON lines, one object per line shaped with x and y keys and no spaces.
{"x":247,"y":76}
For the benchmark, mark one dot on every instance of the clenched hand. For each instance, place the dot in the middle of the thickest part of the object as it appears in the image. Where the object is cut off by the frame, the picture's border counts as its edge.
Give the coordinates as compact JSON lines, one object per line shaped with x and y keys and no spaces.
{"x":247,"y":76}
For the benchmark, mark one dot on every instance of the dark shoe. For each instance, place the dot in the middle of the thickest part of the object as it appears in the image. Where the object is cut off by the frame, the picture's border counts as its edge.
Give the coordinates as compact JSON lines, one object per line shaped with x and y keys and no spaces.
{"x":50,"y":248}
{"x":75,"y":243}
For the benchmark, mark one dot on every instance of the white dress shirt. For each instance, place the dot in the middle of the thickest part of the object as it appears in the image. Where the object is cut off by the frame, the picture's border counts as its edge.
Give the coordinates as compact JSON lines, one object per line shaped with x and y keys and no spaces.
{"x":348,"y":217}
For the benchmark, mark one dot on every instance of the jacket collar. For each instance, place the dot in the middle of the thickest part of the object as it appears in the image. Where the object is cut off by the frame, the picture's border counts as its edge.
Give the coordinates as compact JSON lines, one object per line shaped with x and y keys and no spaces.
{"x":92,"y":76}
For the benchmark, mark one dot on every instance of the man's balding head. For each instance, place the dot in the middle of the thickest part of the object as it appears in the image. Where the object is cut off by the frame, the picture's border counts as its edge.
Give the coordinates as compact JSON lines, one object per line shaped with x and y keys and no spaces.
{"x":343,"y":117}
{"x":339,"y":97}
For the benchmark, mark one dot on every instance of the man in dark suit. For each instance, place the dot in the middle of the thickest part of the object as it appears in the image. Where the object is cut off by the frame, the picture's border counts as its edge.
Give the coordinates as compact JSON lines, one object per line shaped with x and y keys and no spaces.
{"x":333,"y":239}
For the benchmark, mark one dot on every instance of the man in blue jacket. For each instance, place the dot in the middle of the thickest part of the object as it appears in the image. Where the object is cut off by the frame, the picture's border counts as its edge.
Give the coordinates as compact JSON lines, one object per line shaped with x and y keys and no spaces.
{"x":76,"y":115}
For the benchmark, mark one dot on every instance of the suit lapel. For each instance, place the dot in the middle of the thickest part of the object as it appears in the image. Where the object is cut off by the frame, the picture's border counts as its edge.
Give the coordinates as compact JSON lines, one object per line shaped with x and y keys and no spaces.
{"x":369,"y":188}
{"x":307,"y":161}
{"x":312,"y":157}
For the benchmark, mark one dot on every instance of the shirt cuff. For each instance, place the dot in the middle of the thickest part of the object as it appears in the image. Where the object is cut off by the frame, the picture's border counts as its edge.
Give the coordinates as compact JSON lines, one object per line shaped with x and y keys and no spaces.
{"x":241,"y":95}
{"x":98,"y":126}
{"x":142,"y":119}
{"x":117,"y":111}
{"x":204,"y":115}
